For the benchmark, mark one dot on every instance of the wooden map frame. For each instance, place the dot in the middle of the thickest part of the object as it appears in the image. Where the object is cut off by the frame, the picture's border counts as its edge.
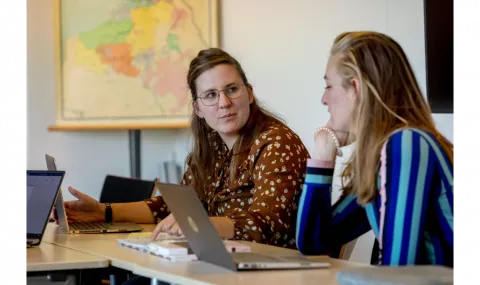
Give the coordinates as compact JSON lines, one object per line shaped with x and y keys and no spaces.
{"x":214,"y":42}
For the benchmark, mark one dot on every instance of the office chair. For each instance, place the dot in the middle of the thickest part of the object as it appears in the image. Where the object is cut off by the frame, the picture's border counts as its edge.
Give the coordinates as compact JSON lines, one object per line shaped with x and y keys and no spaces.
{"x":118,"y":189}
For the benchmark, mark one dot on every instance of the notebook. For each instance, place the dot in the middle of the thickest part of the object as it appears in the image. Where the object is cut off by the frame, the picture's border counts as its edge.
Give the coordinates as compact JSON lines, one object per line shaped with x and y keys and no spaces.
{"x":172,"y":247}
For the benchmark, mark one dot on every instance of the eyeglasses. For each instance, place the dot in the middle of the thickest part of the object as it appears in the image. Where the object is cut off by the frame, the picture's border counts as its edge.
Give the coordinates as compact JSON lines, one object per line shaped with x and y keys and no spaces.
{"x":211,"y":97}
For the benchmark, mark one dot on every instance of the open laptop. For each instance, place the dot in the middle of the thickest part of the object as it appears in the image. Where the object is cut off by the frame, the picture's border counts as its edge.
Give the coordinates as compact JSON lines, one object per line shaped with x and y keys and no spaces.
{"x":42,"y":189}
{"x":205,"y":242}
{"x":85,"y":227}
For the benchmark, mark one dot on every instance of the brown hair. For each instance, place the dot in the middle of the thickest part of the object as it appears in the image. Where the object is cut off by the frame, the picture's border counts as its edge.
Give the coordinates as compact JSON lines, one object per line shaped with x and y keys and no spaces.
{"x":390,"y":99}
{"x":200,"y":160}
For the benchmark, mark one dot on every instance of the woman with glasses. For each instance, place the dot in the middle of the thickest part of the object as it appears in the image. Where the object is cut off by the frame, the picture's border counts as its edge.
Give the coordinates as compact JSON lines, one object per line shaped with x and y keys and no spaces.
{"x":399,"y":180}
{"x":246,"y":165}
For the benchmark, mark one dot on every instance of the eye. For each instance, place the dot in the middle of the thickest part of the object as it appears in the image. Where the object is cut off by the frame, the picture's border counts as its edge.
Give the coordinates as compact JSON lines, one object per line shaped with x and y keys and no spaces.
{"x":210,"y":95}
{"x":232,"y":89}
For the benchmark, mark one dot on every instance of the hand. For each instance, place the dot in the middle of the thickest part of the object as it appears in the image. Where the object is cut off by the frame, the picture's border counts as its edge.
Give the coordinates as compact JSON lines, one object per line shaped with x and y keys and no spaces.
{"x":325,"y":147}
{"x":54,"y":216}
{"x":340,"y":130}
{"x":168,"y":225}
{"x":85,"y":209}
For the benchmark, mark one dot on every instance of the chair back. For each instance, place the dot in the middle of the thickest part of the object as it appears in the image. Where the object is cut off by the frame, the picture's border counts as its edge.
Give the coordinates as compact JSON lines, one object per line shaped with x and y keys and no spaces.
{"x":118,"y":189}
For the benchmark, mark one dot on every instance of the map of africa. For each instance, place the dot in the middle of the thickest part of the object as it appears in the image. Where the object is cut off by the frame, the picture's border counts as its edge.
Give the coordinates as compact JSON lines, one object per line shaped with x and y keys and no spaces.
{"x":127,"y":60}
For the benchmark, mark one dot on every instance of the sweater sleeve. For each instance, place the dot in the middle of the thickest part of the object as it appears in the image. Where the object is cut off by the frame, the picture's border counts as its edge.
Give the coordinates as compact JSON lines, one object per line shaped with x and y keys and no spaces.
{"x":158,"y":206}
{"x":321,"y":227}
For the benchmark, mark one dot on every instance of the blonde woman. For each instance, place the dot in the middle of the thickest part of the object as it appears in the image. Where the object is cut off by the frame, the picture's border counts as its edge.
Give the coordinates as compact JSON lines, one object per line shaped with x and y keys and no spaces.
{"x":399,"y":180}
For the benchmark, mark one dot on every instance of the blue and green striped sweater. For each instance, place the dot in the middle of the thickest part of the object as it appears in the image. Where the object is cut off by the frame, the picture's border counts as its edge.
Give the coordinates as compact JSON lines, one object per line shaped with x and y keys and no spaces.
{"x":411,"y":216}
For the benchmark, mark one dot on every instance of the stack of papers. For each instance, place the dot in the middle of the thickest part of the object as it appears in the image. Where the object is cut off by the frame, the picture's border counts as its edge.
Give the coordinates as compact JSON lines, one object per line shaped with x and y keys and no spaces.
{"x":141,"y":240}
{"x":170,"y":247}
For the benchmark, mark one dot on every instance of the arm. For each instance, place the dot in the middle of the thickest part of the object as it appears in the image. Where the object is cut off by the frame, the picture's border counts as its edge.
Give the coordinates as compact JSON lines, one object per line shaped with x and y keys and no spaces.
{"x":137,"y":212}
{"x":321,"y":228}
{"x":405,"y":172}
{"x":87,"y":209}
{"x":277,"y":160}
{"x":157,"y":206}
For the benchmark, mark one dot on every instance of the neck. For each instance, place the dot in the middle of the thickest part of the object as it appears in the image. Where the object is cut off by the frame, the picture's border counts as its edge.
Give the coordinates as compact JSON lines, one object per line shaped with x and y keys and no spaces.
{"x":229,"y":140}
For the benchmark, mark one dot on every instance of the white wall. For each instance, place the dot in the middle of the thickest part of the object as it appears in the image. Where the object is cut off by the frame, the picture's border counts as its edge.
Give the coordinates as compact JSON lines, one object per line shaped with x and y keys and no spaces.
{"x":283,"y":47}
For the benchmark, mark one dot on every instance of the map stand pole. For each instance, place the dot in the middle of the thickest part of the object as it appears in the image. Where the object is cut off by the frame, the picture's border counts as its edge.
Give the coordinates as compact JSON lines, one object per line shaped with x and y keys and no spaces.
{"x":134,"y":144}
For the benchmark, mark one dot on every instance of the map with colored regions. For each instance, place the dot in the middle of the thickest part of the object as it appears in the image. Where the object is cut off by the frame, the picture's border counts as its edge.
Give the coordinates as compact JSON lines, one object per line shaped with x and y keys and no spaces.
{"x":126,"y":61}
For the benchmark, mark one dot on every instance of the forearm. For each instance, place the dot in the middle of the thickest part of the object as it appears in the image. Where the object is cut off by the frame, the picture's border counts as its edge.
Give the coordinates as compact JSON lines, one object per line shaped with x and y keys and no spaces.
{"x":137,"y":212}
{"x":224,"y":227}
{"x":314,"y":218}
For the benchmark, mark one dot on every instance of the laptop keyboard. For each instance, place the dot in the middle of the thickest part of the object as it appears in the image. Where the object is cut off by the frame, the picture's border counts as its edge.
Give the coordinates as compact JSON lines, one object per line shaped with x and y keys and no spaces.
{"x":90,"y":226}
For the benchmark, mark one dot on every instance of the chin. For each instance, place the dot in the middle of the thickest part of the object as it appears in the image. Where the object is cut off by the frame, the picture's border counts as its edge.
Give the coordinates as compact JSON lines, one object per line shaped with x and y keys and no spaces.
{"x":229,"y":128}
{"x":228,"y":131}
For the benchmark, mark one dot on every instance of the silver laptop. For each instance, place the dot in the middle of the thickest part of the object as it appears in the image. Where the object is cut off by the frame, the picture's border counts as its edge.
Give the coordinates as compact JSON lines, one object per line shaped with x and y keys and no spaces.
{"x":205,"y":242}
{"x":85,"y":227}
{"x":42,"y":189}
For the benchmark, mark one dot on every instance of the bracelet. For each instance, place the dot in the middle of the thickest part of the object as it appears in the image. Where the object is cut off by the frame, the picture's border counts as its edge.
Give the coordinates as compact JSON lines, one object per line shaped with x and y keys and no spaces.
{"x":335,"y":140}
{"x":108,"y":213}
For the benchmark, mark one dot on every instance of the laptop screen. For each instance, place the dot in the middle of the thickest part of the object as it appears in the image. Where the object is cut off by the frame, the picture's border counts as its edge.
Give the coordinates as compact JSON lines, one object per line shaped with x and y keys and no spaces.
{"x":42,"y":187}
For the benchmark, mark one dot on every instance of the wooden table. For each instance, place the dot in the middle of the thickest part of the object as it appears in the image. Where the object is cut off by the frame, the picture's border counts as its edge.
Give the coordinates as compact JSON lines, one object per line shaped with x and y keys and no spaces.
{"x":196,"y":272}
{"x":203,"y":273}
{"x":48,"y":264}
{"x":49,"y":257}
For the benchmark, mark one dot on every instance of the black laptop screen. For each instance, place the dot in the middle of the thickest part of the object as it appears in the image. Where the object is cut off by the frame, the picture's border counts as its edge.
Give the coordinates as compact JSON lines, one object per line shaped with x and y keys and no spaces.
{"x":42,"y":189}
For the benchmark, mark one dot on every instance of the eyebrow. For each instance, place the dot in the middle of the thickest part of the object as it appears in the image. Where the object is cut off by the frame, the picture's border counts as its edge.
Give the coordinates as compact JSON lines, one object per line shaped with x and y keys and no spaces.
{"x":226,"y":86}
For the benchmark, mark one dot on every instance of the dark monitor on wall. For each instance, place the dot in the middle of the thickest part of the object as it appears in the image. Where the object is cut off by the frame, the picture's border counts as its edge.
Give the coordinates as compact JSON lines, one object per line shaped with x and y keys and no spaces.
{"x":439,"y":54}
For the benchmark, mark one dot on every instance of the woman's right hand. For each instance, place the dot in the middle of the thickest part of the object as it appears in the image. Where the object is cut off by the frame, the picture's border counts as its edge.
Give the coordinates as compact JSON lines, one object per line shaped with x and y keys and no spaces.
{"x":85,"y":209}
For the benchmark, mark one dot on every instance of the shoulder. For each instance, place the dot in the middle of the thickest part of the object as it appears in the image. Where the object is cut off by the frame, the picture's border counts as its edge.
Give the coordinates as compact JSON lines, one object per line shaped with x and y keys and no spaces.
{"x":275,"y":134}
{"x":409,"y":138}
{"x":411,"y":145}
{"x":278,"y":140}
{"x":278,"y":132}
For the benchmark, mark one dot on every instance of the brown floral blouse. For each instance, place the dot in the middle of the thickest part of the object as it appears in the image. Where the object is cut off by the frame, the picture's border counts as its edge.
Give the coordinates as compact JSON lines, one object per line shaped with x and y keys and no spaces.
{"x":262,"y":204}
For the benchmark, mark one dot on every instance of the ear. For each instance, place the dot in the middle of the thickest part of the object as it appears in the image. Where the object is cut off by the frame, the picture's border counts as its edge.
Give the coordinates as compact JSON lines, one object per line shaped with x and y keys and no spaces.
{"x":250,"y":94}
{"x":356,"y":87}
{"x":196,"y":109}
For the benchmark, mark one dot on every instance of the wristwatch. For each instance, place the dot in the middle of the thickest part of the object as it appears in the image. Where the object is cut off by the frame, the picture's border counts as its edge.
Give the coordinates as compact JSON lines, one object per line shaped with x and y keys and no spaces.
{"x":108,"y":213}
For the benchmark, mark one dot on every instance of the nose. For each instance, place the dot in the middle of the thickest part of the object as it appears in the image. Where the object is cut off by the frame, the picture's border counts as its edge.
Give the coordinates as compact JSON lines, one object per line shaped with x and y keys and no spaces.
{"x":324,"y":99}
{"x":223,"y":100}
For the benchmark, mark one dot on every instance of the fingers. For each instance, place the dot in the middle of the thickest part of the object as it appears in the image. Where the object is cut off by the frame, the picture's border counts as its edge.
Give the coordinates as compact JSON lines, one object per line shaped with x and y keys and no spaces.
{"x":77,"y":194}
{"x":174,"y":230}
{"x":55,"y":214}
{"x":156,"y":231}
{"x":165,"y":226}
{"x":70,"y":204}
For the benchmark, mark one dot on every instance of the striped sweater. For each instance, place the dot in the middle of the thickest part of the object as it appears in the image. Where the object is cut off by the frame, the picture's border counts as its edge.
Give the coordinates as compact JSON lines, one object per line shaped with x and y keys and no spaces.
{"x":411,"y":215}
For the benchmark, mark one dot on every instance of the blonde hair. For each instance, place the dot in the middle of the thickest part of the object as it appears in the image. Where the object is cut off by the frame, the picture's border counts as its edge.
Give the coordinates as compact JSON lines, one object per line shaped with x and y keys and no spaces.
{"x":390,"y":99}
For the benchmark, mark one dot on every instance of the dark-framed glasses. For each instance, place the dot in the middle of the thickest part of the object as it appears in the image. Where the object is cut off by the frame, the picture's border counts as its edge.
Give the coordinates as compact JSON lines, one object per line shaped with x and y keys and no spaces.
{"x":211,"y":96}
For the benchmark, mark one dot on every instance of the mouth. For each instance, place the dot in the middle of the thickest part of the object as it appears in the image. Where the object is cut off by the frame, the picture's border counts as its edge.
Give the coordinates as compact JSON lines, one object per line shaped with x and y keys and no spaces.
{"x":227,"y":116}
